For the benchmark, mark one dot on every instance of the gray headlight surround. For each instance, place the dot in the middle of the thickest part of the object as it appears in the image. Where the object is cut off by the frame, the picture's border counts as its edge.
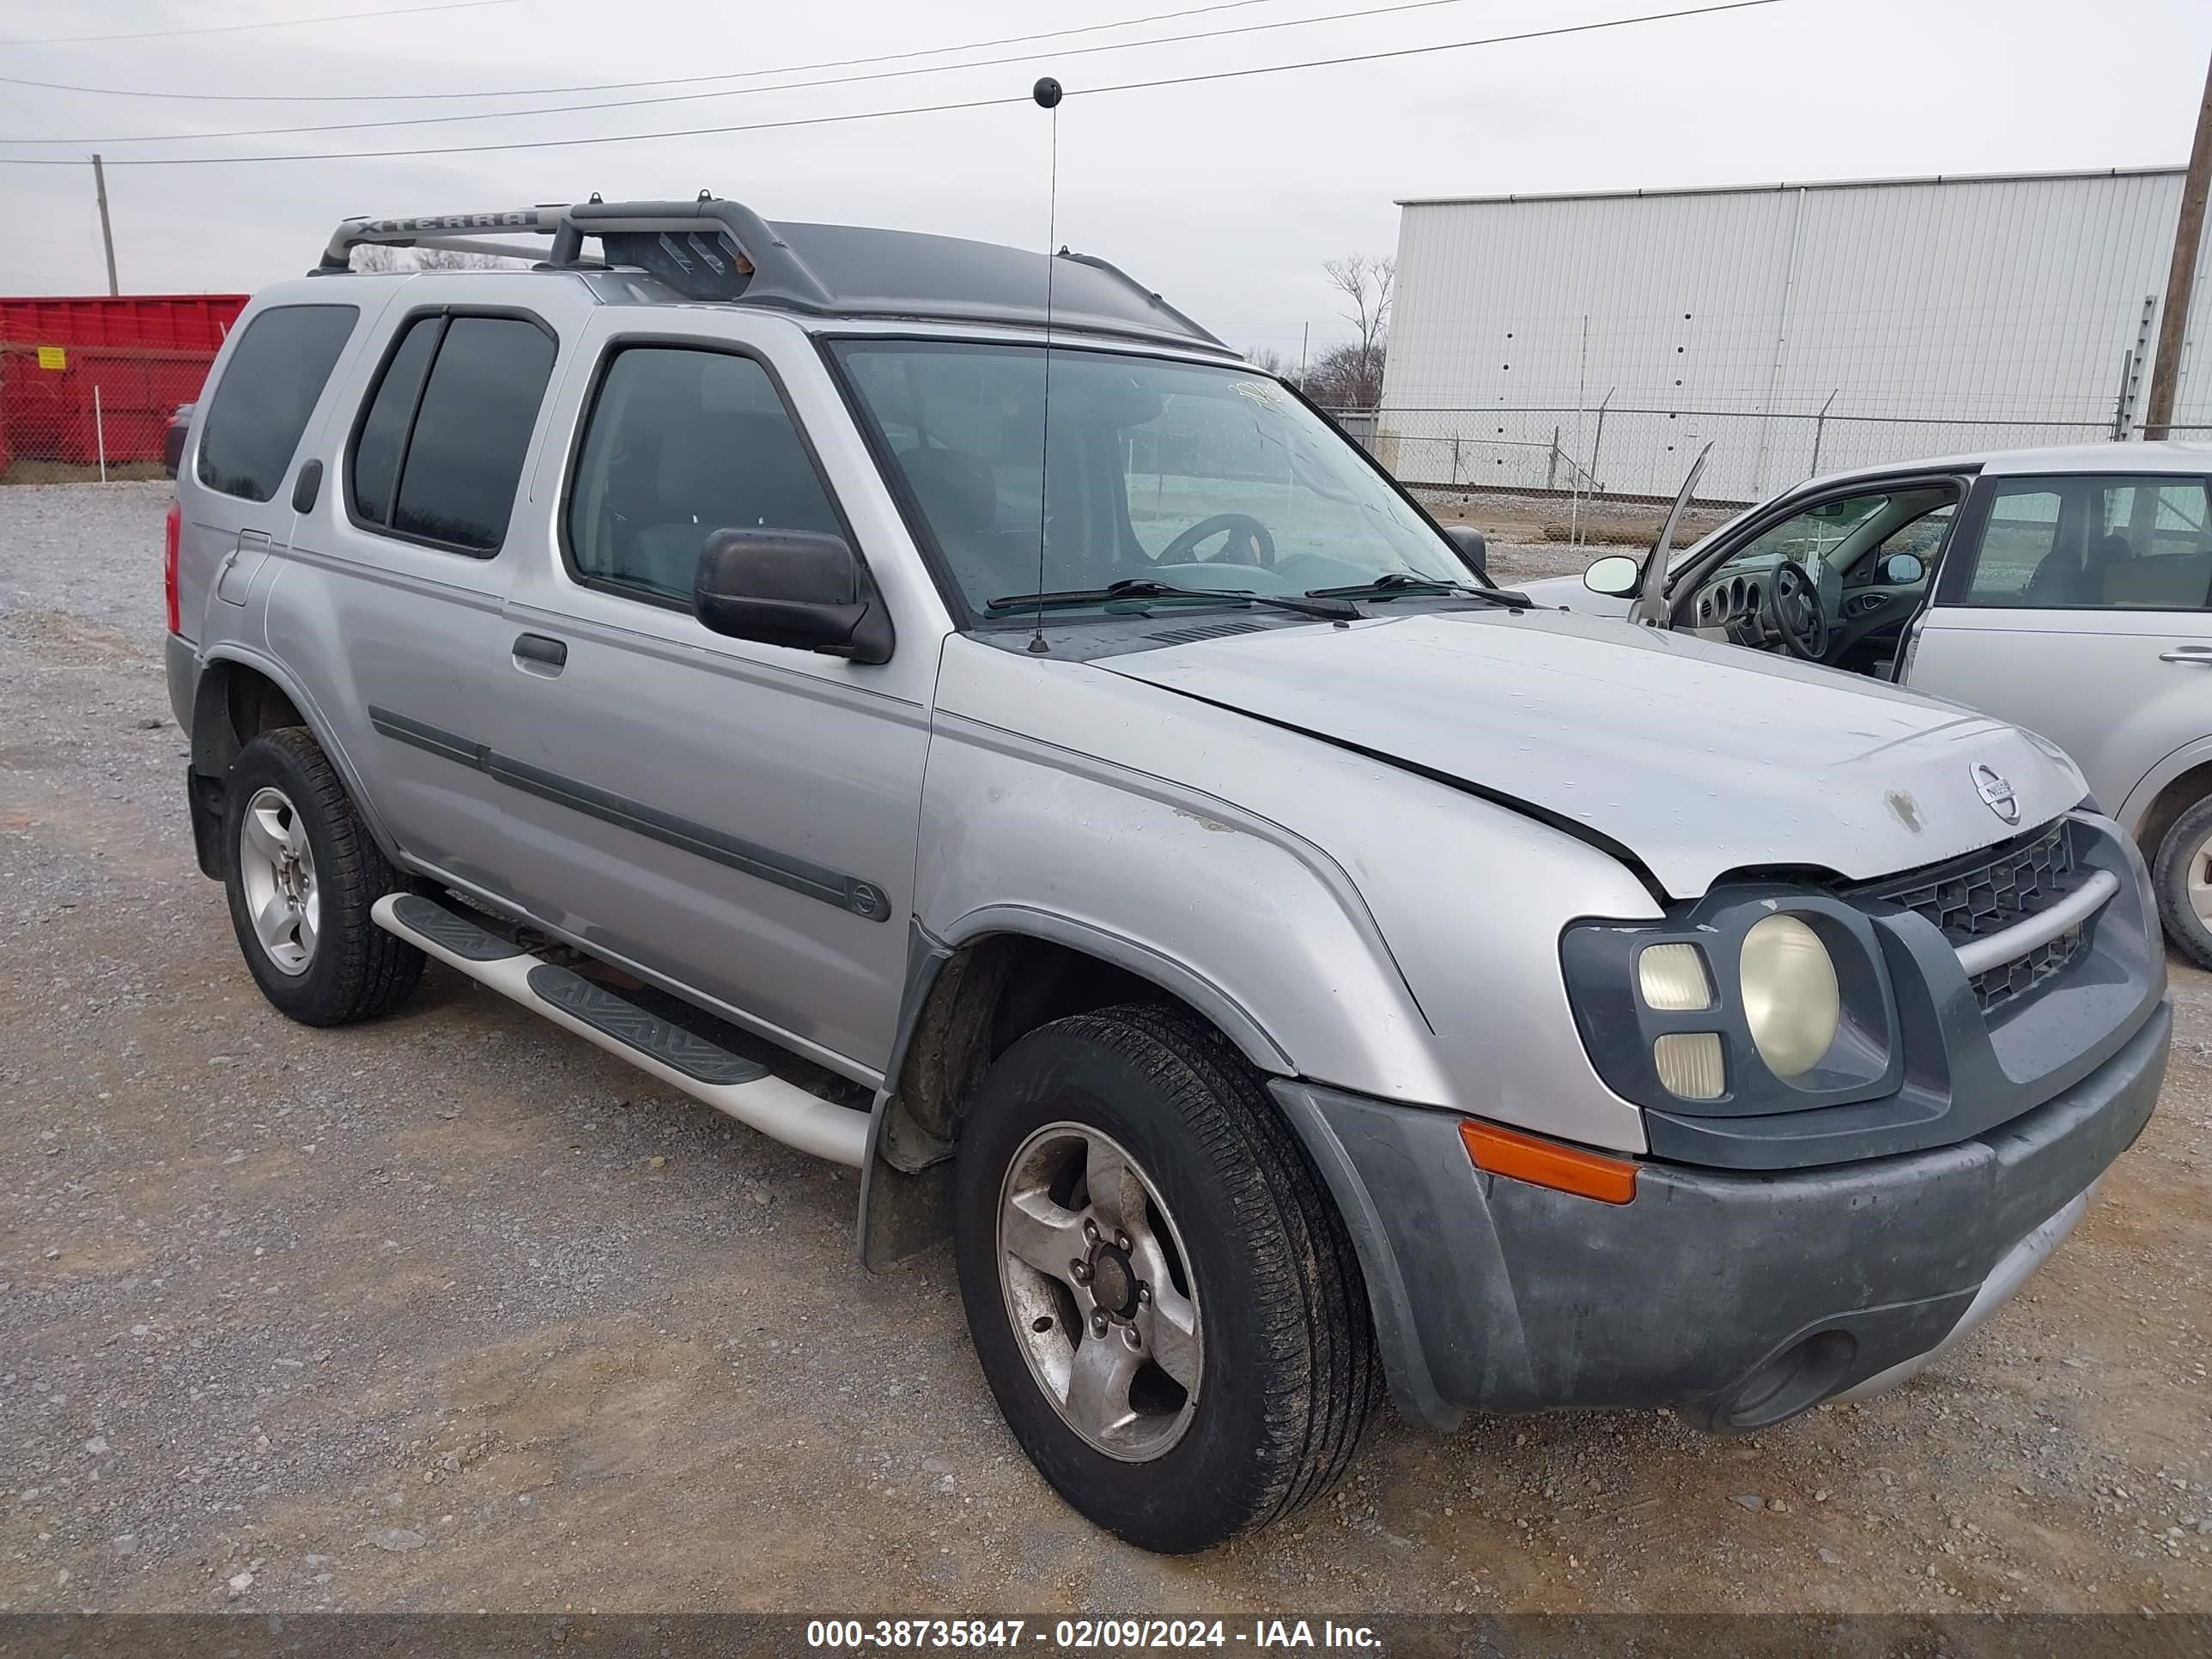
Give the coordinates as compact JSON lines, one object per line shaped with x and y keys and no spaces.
{"x":1598,"y":958}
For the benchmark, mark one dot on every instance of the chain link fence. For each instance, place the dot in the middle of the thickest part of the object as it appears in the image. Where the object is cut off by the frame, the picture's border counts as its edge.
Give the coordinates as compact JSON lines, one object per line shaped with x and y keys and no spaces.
{"x":74,"y":413}
{"x":1636,"y":455}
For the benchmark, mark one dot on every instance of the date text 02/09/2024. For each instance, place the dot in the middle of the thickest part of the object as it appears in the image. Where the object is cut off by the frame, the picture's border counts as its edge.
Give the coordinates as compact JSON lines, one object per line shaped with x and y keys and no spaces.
{"x":1084,"y":1634}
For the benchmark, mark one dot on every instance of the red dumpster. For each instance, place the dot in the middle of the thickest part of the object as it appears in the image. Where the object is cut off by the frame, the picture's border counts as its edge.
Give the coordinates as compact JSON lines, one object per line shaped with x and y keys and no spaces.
{"x":87,"y":380}
{"x":192,"y":322}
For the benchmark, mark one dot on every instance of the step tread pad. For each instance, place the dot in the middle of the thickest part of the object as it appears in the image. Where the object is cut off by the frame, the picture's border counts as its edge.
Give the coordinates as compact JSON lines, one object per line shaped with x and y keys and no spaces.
{"x":671,"y":1045}
{"x":463,"y":938}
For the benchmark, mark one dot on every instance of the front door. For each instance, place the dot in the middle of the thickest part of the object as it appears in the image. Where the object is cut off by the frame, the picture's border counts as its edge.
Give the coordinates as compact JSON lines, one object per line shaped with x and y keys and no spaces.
{"x":2081,"y":608}
{"x":736,"y":818}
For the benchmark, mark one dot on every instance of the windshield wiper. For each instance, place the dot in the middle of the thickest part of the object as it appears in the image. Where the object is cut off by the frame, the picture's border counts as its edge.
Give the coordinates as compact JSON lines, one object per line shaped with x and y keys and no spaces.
{"x":1398,"y":582}
{"x":1143,"y":588}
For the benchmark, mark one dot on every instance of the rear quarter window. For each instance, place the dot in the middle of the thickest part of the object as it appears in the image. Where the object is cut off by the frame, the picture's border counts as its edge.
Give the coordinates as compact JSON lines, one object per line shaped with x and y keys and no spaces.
{"x":268,"y":391}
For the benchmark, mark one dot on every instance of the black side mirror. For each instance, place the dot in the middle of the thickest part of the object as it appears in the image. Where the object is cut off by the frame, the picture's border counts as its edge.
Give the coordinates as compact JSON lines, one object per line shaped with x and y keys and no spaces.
{"x":791,"y":587}
{"x":1472,"y":547}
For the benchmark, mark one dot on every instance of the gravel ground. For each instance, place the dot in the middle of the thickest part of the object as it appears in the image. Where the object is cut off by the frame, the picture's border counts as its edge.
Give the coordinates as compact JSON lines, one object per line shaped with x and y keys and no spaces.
{"x":453,"y":1311}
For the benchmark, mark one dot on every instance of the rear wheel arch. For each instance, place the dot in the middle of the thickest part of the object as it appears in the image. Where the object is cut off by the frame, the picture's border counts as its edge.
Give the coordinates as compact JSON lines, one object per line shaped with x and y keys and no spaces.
{"x":2175,"y":797}
{"x":237,"y":700}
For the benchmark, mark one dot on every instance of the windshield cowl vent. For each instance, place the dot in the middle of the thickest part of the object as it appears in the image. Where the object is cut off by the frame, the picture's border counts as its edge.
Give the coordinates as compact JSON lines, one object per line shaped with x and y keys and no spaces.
{"x":1207,"y":631}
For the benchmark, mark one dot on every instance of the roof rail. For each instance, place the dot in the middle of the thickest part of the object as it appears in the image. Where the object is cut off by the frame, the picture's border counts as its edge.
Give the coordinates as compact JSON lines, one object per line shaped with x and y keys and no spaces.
{"x":706,"y":249}
{"x":713,"y":249}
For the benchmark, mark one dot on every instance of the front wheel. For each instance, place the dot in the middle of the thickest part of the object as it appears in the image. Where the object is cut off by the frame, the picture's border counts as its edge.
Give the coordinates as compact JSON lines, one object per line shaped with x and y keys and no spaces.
{"x":302,"y":871}
{"x":2182,"y":873}
{"x":1165,"y":1304}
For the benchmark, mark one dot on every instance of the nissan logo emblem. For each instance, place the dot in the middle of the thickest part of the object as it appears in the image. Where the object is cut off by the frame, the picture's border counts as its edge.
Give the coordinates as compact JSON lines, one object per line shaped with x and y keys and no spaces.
{"x":1990,"y":785}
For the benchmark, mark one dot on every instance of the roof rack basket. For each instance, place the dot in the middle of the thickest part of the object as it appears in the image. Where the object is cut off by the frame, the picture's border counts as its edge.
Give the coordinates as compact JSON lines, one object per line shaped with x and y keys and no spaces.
{"x":713,"y":249}
{"x":707,"y":249}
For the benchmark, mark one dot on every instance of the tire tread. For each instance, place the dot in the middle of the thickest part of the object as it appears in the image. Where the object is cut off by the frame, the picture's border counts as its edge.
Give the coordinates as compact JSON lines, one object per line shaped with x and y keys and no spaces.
{"x":2170,"y":878}
{"x":1325,"y":1378}
{"x":375,"y":971}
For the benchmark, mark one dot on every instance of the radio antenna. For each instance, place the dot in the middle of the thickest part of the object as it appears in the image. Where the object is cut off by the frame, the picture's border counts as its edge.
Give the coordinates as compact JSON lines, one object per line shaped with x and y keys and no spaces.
{"x":1048,"y":94}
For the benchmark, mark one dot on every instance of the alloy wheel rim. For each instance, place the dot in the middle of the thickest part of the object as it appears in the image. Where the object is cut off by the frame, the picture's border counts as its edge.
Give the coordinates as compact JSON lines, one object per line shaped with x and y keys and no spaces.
{"x":277,"y":869}
{"x":1098,"y":1290}
{"x":2199,"y":880}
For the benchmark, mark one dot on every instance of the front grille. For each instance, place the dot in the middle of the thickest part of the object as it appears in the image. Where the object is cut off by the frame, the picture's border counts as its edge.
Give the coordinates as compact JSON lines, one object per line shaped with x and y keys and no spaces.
{"x":2018,"y":977}
{"x":1990,"y":890}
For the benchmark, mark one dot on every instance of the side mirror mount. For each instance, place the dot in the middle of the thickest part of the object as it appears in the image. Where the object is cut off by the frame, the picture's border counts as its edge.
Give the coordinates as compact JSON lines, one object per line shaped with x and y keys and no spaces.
{"x":1472,"y":547}
{"x":1615,"y":575}
{"x":1901,"y":570}
{"x":791,"y":587}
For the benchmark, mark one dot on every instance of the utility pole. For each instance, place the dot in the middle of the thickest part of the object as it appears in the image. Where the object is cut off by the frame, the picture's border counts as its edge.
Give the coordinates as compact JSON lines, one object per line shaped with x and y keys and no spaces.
{"x":2181,"y":274}
{"x":108,"y":232}
{"x":1305,"y":341}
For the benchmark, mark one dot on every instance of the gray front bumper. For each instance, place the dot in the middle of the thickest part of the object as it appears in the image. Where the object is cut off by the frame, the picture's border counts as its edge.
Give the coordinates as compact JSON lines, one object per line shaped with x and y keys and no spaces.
{"x":1737,"y":1298}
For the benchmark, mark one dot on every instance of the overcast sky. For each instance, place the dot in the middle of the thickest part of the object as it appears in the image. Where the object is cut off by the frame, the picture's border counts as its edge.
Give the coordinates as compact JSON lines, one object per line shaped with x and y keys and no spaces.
{"x":1226,"y":195}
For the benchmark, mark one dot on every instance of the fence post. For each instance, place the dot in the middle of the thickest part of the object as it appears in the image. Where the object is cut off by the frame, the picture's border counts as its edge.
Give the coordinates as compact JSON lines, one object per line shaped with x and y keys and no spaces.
{"x":99,"y":433}
{"x":1819,"y":427}
{"x":1597,"y":443}
{"x":1454,"y":477}
{"x":1551,"y":463}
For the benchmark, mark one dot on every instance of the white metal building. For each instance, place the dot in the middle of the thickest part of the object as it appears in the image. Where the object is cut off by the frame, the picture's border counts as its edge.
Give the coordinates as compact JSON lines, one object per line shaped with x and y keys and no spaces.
{"x":1596,"y":341}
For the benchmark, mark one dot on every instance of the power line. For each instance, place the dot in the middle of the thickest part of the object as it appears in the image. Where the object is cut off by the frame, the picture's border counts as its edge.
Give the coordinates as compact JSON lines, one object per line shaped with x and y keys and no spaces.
{"x":919,"y":109}
{"x":751,"y":92}
{"x":626,"y":85}
{"x":236,"y":28}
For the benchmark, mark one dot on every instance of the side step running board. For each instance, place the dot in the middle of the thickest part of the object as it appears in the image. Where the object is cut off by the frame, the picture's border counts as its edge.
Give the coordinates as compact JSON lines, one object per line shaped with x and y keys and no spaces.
{"x":744,"y":1088}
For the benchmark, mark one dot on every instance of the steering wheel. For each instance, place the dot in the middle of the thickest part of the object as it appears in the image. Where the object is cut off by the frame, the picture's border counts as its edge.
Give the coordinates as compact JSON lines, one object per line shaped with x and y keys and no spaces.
{"x":1793,"y":610}
{"x":1245,"y":531}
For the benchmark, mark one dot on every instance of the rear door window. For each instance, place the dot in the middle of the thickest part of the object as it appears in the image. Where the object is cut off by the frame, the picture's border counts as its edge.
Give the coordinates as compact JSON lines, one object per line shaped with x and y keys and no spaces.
{"x":2095,"y":543}
{"x":270,"y":388}
{"x":440,"y":450}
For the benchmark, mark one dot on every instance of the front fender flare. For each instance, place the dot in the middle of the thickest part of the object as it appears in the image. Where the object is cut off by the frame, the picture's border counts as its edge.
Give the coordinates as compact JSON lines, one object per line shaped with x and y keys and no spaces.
{"x":1235,"y":1021}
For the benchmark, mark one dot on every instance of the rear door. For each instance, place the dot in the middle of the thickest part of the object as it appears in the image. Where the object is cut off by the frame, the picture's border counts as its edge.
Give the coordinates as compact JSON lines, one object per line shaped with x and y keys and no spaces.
{"x":389,"y":608}
{"x":2079,"y":606}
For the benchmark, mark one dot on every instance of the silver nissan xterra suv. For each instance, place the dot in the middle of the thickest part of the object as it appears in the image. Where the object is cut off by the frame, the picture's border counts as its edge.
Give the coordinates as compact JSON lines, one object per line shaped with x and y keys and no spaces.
{"x":1079,"y":789}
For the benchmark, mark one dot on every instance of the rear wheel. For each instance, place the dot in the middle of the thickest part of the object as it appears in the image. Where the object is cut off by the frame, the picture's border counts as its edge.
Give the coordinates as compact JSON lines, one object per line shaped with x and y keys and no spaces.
{"x":2182,"y":876}
{"x":1165,"y":1304}
{"x":302,"y":871}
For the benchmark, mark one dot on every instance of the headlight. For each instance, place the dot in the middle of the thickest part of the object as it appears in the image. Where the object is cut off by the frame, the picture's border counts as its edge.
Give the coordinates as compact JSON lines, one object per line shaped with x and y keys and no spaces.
{"x":1790,"y":999}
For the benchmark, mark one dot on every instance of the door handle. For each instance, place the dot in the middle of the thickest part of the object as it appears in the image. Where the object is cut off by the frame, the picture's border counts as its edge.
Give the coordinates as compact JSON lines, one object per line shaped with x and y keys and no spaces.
{"x":2201,"y":655}
{"x":551,"y":654}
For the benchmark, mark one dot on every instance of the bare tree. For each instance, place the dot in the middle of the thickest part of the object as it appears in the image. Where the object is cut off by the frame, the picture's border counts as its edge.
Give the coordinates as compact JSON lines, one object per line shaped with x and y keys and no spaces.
{"x":1366,"y":281}
{"x":1269,"y":360}
{"x":445,"y":259}
{"x":1344,"y":377}
{"x":379,"y":257}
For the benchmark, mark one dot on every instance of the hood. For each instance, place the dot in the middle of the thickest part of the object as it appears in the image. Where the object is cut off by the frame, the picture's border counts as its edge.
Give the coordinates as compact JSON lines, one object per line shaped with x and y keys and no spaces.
{"x":1569,"y":593}
{"x":1697,"y":758}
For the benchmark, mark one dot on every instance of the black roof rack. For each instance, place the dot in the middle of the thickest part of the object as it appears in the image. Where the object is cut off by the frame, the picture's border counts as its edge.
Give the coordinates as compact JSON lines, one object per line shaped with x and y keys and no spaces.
{"x":718,"y":250}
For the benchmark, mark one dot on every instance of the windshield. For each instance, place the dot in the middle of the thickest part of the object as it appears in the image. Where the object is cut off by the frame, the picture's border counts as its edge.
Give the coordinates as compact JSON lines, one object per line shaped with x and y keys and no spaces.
{"x":1179,"y":473}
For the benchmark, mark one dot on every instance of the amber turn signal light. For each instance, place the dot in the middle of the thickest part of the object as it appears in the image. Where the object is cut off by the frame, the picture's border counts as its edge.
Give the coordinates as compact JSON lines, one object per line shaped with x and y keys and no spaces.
{"x":1547,"y":1164}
